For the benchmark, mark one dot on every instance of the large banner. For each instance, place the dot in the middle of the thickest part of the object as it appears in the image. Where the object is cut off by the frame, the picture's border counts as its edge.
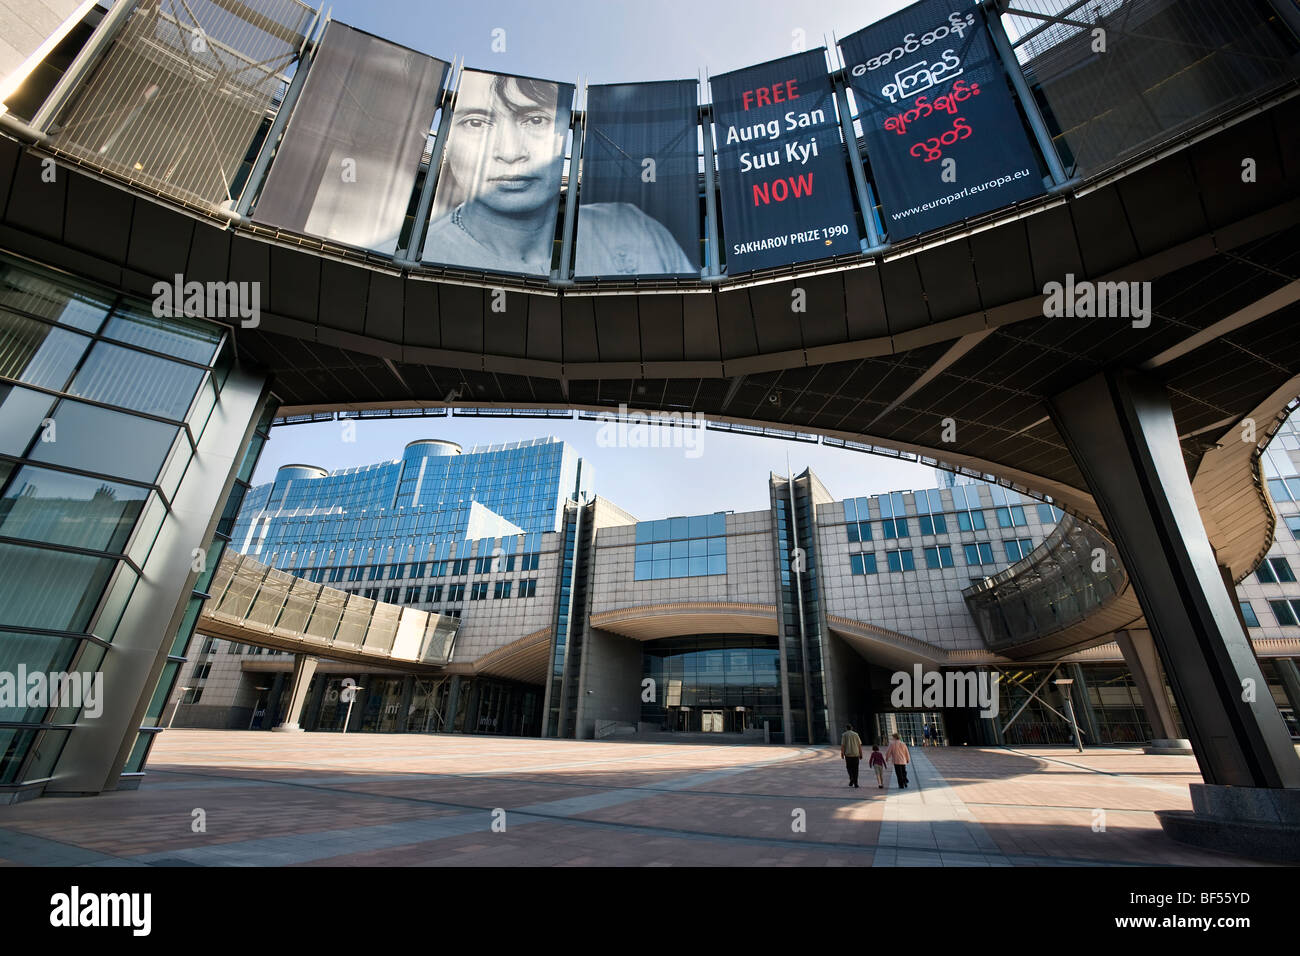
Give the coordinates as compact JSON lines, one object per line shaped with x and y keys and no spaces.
{"x":781,"y":165}
{"x":639,"y":210}
{"x":499,"y":188}
{"x":943,"y":135}
{"x":350,"y":154}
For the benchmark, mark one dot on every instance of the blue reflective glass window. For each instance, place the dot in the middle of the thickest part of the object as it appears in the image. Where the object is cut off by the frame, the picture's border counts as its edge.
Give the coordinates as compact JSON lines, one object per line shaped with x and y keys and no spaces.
{"x":1013,"y":550}
{"x":21,"y":414}
{"x":660,"y":530}
{"x":855,"y":563}
{"x":901,"y":526}
{"x":869,"y":563}
{"x":1248,"y":614}
{"x":717,"y":564}
{"x":718,"y":523}
{"x":1004,"y":517}
{"x":986,"y":553}
{"x":698,"y":565}
{"x":699,"y":526}
{"x":940,"y":524}
{"x":678,"y":527}
{"x":679,"y":549}
{"x":972,"y":554}
{"x":661,"y":550}
{"x":718,"y":546}
{"x":864,"y":530}
{"x":678,"y":568}
{"x":1282,"y":569}
{"x":50,"y":589}
{"x":851,"y":529}
{"x":1294,"y":524}
{"x":932,"y":557}
{"x":895,"y":562}
{"x":1018,"y":515}
{"x":925,"y":524}
{"x":644,"y":552}
{"x":112,"y":443}
{"x":963,"y":521}
{"x":908,"y":563}
{"x":53,"y":506}
{"x":1293,"y":485}
{"x":850,"y":510}
{"x":644,"y":531}
{"x":129,"y":379}
{"x":699,"y":547}
{"x":661,"y":569}
{"x":1277,"y":488}
{"x":37,"y":353}
{"x":181,"y":337}
{"x":1284,"y":613}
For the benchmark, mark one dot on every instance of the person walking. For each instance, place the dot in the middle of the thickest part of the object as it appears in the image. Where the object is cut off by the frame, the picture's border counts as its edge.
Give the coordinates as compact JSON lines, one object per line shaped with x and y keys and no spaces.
{"x":925,"y":735}
{"x":851,"y":753}
{"x":899,"y":756}
{"x":877,"y":763}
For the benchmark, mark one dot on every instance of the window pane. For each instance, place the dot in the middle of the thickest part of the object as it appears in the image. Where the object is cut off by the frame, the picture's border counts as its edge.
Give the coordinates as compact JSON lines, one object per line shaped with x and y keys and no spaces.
{"x":717,"y":524}
{"x":677,"y":527}
{"x":718,"y":546}
{"x":106,"y":441}
{"x":37,"y":353}
{"x":21,"y":414}
{"x":1248,"y":614}
{"x":698,"y":565}
{"x":129,"y":379}
{"x":50,"y":589}
{"x":717,"y":564}
{"x":51,"y":506}
{"x":179,"y":336}
{"x":851,"y":529}
{"x":1282,"y":611}
{"x":850,"y":510}
{"x":699,"y":526}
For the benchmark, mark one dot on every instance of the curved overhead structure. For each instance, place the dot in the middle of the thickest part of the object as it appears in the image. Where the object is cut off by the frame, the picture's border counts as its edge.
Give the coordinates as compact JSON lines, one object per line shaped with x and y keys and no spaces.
{"x":684,"y":618}
{"x":252,"y":604}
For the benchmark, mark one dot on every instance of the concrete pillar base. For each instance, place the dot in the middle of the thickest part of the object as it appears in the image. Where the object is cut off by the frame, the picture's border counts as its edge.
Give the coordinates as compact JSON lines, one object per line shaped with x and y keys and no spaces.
{"x":288,"y":729}
{"x":1256,"y":822}
{"x":1167,"y":747}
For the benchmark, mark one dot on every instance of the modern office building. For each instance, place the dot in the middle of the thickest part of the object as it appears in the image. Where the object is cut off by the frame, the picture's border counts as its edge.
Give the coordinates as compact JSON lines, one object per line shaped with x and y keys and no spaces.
{"x":710,"y":609}
{"x":200,"y":147}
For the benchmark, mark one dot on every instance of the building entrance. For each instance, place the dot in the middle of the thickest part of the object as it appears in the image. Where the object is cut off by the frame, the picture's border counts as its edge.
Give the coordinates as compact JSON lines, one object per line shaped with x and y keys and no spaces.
{"x":910,"y":726}
{"x":711,"y":721}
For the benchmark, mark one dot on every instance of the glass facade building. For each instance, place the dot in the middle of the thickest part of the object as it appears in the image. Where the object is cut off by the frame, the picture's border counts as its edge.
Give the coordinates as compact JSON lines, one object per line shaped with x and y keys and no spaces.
{"x":108,"y":417}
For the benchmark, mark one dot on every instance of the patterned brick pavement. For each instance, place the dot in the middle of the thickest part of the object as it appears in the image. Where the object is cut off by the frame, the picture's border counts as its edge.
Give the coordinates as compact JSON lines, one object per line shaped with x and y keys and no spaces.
{"x":399,"y":800}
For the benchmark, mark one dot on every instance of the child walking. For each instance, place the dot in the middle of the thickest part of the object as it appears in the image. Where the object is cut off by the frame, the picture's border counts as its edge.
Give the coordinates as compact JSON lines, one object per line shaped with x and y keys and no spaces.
{"x":877,"y":763}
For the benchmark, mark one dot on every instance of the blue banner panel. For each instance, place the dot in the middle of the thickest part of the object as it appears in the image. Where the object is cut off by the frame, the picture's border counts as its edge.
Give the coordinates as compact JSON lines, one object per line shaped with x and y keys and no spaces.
{"x":943,"y":134}
{"x":348,"y":161}
{"x":639,"y":208}
{"x":781,"y":165}
{"x":499,"y":189}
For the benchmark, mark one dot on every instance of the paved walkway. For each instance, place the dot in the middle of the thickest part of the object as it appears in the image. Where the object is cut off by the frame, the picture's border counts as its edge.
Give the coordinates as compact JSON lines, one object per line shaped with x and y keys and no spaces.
{"x":232,"y":798}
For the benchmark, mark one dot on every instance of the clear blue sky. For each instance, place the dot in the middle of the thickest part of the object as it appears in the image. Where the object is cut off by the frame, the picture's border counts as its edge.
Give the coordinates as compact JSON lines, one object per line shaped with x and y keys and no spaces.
{"x":607,"y":41}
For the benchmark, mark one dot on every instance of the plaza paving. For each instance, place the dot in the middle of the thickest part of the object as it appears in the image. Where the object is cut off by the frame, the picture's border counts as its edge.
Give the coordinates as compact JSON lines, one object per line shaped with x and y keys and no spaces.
{"x":413,"y":800}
